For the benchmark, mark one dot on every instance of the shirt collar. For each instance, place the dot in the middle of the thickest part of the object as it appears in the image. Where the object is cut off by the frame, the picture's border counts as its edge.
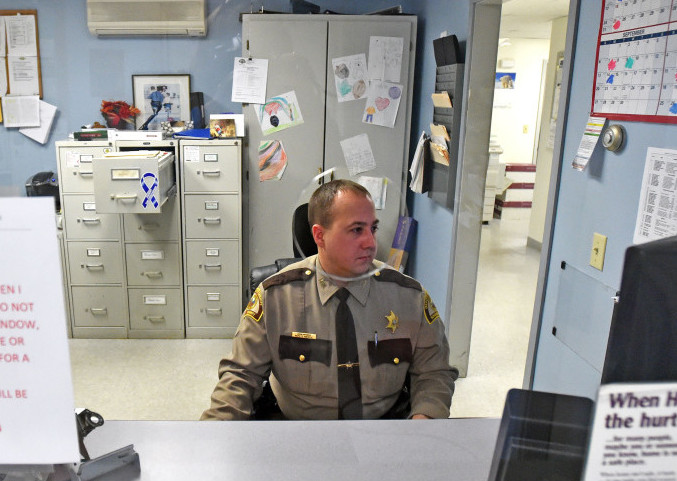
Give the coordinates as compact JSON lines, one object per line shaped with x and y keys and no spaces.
{"x":327,"y":288}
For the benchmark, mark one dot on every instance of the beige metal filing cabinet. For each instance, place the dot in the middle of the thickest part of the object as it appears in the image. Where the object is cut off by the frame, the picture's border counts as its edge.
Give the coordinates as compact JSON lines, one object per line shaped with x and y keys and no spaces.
{"x":211,"y":186}
{"x":124,"y":271}
{"x":92,"y":246}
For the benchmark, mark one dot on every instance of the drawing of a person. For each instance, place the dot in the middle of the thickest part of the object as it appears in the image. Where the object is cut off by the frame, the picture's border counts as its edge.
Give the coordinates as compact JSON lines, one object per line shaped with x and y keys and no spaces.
{"x":370,"y":113}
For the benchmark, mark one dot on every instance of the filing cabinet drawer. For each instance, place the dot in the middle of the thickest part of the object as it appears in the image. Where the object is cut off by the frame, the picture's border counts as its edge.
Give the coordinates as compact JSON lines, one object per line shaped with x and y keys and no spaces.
{"x":82,"y":221}
{"x":212,"y":216}
{"x":76,"y":164}
{"x":99,"y":306}
{"x":213,"y":262}
{"x":157,"y":227}
{"x":93,"y":262}
{"x":155,"y":264}
{"x":155,"y":309}
{"x":138,"y":182}
{"x":211,"y":168}
{"x":214,"y":306}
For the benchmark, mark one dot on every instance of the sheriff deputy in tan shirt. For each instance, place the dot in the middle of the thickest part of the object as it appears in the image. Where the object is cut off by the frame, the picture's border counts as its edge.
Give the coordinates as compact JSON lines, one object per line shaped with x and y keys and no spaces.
{"x":287,"y":333}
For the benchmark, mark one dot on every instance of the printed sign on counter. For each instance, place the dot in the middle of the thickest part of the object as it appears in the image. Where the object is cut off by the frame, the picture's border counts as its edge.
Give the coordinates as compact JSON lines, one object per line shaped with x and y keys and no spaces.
{"x":634,"y":435}
{"x":37,"y":415}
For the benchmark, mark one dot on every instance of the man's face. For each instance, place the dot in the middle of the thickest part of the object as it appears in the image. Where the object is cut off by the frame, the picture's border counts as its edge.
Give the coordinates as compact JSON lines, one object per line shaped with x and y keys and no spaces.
{"x":348,"y":246}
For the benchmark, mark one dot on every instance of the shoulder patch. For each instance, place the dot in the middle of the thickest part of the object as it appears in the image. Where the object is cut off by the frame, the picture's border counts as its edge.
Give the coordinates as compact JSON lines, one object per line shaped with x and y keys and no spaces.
{"x":254,"y":309}
{"x":429,"y":309}
{"x":391,"y":275}
{"x":286,"y":277}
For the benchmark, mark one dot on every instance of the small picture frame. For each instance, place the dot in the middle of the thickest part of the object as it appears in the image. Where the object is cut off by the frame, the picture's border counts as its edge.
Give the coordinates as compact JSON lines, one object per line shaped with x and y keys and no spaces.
{"x":161,"y":98}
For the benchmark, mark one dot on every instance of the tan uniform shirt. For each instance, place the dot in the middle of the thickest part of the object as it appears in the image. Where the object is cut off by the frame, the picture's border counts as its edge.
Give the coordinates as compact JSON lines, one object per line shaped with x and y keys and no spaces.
{"x":289,"y":328}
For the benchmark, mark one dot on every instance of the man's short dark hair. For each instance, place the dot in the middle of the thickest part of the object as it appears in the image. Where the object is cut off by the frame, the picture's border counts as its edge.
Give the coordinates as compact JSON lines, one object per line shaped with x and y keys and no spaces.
{"x":322,"y":200}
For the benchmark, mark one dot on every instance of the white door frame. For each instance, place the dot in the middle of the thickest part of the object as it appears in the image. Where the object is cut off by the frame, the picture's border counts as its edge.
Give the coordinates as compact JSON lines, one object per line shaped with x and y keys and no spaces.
{"x":482,"y":47}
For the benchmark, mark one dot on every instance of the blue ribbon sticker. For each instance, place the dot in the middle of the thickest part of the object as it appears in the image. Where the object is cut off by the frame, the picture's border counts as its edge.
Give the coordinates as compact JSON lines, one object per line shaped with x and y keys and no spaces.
{"x":149,"y":190}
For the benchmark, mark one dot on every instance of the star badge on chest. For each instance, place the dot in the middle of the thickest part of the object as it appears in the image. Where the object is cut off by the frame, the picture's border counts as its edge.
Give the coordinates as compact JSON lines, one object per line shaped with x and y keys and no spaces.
{"x":393,"y":321}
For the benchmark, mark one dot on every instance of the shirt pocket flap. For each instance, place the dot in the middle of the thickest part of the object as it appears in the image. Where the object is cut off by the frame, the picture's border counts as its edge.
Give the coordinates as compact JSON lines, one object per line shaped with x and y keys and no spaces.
{"x":390,"y":351}
{"x":304,"y":350}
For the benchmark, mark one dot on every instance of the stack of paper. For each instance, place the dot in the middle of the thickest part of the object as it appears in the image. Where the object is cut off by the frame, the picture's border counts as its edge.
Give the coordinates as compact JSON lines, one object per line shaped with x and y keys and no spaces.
{"x":417,"y":164}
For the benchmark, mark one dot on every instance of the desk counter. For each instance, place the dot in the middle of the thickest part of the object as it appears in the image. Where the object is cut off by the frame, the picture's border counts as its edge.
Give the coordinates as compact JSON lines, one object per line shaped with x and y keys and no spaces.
{"x":445,"y":449}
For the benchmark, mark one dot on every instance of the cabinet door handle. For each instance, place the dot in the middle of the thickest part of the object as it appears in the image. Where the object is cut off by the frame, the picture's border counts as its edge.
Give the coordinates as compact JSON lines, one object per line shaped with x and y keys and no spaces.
{"x":212,"y":220}
{"x":86,"y":172}
{"x":212,"y":266}
{"x":124,"y":197}
{"x":98,"y":311}
{"x":155,"y":319}
{"x":93,"y":266}
{"x":152,"y":274}
{"x":88,"y":220}
{"x":213,"y":311}
{"x":215,"y":173}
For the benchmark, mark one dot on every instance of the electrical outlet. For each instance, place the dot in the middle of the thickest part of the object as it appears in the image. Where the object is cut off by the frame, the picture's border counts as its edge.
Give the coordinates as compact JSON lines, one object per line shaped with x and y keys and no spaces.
{"x":598,"y":250}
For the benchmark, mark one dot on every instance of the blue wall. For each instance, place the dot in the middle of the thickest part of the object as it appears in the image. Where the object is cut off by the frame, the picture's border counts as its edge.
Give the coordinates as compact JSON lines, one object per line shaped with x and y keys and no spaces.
{"x":603,"y":199}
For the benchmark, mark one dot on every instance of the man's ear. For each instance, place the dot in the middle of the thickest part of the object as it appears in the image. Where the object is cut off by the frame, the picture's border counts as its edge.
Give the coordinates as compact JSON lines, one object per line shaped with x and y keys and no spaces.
{"x":318,"y":235}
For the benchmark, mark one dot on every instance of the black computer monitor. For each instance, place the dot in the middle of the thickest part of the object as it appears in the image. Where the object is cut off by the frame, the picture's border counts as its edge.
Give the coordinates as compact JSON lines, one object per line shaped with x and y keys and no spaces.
{"x":542,"y":437}
{"x":643,"y":335}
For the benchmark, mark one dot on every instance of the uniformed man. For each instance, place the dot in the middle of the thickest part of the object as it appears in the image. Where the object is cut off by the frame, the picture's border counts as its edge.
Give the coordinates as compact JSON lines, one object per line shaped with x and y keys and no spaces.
{"x":296,"y":329}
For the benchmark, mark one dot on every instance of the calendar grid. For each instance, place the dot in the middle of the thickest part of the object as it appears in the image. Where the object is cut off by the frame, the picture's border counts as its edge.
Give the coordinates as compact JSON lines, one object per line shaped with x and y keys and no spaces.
{"x":636,"y":64}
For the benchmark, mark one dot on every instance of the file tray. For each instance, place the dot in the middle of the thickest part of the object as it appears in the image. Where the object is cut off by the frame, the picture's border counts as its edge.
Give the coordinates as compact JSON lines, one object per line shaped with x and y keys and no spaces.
{"x":133,"y":182}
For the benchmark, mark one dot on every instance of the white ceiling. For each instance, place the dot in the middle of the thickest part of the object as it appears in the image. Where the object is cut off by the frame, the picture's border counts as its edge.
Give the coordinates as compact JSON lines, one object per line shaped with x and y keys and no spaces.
{"x":530,"y":18}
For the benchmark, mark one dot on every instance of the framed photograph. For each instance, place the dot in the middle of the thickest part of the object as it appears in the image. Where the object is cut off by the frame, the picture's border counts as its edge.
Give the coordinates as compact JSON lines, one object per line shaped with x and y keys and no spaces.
{"x":161,"y":98}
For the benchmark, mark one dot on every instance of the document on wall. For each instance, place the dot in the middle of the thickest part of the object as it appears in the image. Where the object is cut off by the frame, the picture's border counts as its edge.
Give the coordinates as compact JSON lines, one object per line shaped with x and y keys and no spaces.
{"x":378,"y":189}
{"x":3,"y":77}
{"x":3,"y":42}
{"x":24,"y":78}
{"x":593,"y":129}
{"x":385,"y":58}
{"x":350,"y":77}
{"x":657,"y":211}
{"x":21,"y":111}
{"x":22,"y":40}
{"x":37,"y":413}
{"x":358,"y":154}
{"x":250,"y":76}
{"x":41,"y":133}
{"x":634,"y":433}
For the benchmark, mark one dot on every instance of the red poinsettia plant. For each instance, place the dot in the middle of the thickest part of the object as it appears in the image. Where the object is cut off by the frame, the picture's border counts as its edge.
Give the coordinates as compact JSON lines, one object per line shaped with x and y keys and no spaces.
{"x":117,"y":111}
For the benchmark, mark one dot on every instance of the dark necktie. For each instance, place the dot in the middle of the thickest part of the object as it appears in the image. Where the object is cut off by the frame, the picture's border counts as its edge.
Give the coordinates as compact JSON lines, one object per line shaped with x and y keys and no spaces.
{"x":349,"y":391}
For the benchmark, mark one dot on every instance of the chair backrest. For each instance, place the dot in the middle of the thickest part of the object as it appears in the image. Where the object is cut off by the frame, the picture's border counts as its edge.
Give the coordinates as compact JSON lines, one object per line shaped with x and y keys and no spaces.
{"x":302,"y":236}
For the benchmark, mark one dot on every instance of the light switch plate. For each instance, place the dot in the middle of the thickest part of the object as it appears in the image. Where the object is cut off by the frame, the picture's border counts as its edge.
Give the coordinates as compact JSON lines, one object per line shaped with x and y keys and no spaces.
{"x":598,"y":251}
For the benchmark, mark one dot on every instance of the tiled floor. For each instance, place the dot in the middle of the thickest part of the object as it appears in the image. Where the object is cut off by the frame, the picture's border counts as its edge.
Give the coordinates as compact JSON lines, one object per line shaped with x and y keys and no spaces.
{"x":173,"y":379}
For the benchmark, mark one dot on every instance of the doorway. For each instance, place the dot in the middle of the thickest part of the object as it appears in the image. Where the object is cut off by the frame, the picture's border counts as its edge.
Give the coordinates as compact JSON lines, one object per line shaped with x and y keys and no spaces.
{"x":509,"y":248}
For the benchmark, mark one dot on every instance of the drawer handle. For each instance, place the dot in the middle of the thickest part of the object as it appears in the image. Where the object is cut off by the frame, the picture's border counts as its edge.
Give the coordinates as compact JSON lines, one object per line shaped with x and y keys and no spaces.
{"x":149,"y":226}
{"x":215,"y":173}
{"x":152,"y":274}
{"x":155,"y":319}
{"x":213,"y":311}
{"x":213,"y":266}
{"x":211,"y":220}
{"x":85,"y":172}
{"x":86,"y":220}
{"x":124,"y":197}
{"x":98,"y":311}
{"x":92,"y":266}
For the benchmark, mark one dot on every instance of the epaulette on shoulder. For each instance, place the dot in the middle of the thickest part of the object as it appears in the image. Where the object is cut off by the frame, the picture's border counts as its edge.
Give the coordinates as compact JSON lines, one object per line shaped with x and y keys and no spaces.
{"x":285,"y":277}
{"x":391,"y":275}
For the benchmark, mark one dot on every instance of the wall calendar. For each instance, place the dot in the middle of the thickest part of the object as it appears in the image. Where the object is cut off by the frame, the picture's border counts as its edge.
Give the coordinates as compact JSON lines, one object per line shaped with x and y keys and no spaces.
{"x":636,"y":70}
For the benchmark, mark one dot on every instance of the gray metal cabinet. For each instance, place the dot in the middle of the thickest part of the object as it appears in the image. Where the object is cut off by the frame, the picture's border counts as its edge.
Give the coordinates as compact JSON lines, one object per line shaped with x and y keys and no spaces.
{"x":212,"y":199}
{"x":300,"y":50}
